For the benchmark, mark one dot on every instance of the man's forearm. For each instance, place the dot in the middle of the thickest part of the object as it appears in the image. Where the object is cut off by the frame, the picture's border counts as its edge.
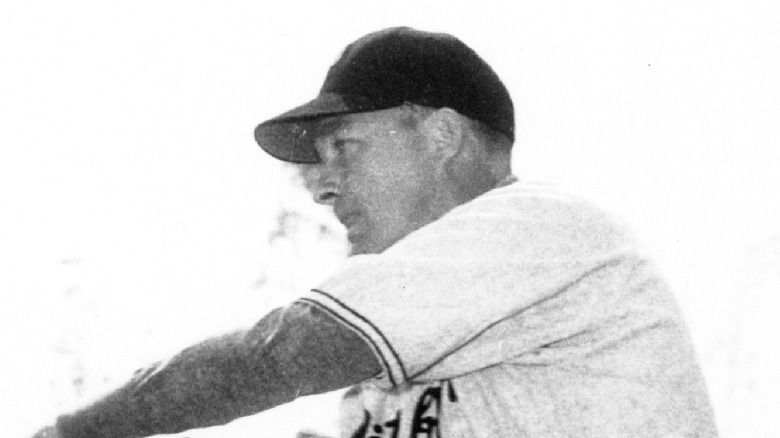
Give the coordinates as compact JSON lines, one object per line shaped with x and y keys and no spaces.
{"x":288,"y":353}
{"x":209,"y":383}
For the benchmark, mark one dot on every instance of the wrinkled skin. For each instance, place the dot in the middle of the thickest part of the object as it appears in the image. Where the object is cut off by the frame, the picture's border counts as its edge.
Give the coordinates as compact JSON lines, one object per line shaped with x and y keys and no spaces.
{"x":377,"y":171}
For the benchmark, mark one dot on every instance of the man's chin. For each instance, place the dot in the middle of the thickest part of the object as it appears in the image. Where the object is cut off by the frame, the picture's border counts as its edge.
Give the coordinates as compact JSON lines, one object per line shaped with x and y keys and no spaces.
{"x":355,"y":249}
{"x":365,"y":243}
{"x":361,"y":247}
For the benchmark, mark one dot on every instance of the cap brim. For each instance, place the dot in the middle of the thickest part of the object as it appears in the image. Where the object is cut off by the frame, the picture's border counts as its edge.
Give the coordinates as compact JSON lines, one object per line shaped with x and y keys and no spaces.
{"x":291,"y":136}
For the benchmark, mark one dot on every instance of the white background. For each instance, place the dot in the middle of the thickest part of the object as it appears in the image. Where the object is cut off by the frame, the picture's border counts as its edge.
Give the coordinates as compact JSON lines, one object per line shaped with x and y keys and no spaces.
{"x":138,"y":214}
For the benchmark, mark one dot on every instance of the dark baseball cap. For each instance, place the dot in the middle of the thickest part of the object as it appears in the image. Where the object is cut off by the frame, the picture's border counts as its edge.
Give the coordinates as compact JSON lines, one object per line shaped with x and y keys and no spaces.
{"x":386,"y":69}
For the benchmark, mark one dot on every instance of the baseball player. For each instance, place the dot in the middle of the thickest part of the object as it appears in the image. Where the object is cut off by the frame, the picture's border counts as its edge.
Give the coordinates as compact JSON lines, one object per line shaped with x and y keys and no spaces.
{"x":473,"y":304}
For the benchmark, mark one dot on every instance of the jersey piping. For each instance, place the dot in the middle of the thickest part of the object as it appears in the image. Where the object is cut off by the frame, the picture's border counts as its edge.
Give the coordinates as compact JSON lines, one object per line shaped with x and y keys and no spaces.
{"x":365,"y":328}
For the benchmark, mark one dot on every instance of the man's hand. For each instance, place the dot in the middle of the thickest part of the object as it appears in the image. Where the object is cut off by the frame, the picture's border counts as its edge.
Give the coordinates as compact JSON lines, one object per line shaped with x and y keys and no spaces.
{"x":47,"y":432}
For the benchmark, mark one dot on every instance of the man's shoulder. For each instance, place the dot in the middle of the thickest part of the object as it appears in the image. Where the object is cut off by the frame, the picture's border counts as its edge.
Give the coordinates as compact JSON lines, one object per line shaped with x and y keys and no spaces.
{"x":531,"y":202}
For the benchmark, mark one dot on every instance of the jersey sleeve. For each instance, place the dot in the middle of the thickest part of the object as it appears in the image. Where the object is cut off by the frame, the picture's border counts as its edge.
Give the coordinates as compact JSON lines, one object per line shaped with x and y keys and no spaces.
{"x":491,"y":281}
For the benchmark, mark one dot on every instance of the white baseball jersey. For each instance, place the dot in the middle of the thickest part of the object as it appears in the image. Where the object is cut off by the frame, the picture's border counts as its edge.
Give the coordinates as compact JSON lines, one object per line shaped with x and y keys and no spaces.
{"x":523,"y":313}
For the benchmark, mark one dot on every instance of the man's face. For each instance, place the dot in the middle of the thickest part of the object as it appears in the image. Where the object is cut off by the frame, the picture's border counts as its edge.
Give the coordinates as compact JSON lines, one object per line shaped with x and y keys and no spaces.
{"x":377,"y":173}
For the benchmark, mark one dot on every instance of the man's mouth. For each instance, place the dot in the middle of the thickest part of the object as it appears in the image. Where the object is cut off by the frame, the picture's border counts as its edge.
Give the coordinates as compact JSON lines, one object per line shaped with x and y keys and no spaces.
{"x":352,"y":221}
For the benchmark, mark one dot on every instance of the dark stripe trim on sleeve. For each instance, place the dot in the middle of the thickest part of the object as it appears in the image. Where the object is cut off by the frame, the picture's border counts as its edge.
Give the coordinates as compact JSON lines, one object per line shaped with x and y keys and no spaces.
{"x":356,"y":329}
{"x":351,"y":312}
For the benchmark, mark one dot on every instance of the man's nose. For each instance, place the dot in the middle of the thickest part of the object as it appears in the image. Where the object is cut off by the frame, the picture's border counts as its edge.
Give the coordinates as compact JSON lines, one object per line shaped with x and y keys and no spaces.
{"x":326,"y":193}
{"x":322,"y":181}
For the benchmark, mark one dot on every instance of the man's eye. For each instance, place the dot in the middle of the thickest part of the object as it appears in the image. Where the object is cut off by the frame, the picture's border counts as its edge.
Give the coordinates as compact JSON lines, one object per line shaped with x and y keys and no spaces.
{"x":339,"y":146}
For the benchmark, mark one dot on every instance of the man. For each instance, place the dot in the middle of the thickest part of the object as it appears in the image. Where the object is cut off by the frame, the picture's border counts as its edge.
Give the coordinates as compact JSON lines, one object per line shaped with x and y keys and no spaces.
{"x":473,"y":304}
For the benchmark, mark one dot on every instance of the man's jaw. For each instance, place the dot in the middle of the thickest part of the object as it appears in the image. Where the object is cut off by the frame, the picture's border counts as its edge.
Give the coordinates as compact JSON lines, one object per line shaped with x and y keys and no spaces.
{"x":350,"y":220}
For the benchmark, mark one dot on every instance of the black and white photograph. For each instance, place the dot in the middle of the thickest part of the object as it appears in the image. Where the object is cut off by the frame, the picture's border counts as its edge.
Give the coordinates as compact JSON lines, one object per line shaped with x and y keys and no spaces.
{"x":344,"y":219}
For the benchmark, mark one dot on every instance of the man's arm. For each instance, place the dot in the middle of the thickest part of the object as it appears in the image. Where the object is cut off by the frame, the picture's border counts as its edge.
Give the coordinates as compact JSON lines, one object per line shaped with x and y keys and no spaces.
{"x":291,"y":352}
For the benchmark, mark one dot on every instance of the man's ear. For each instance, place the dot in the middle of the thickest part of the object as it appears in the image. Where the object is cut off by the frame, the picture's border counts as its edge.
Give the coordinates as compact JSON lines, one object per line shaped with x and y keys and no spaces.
{"x":446,"y":131}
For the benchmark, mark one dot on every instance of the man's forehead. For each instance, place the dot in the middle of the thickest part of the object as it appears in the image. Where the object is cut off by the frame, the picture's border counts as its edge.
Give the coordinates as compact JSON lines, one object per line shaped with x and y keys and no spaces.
{"x":351,"y":122}
{"x":332,"y":125}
